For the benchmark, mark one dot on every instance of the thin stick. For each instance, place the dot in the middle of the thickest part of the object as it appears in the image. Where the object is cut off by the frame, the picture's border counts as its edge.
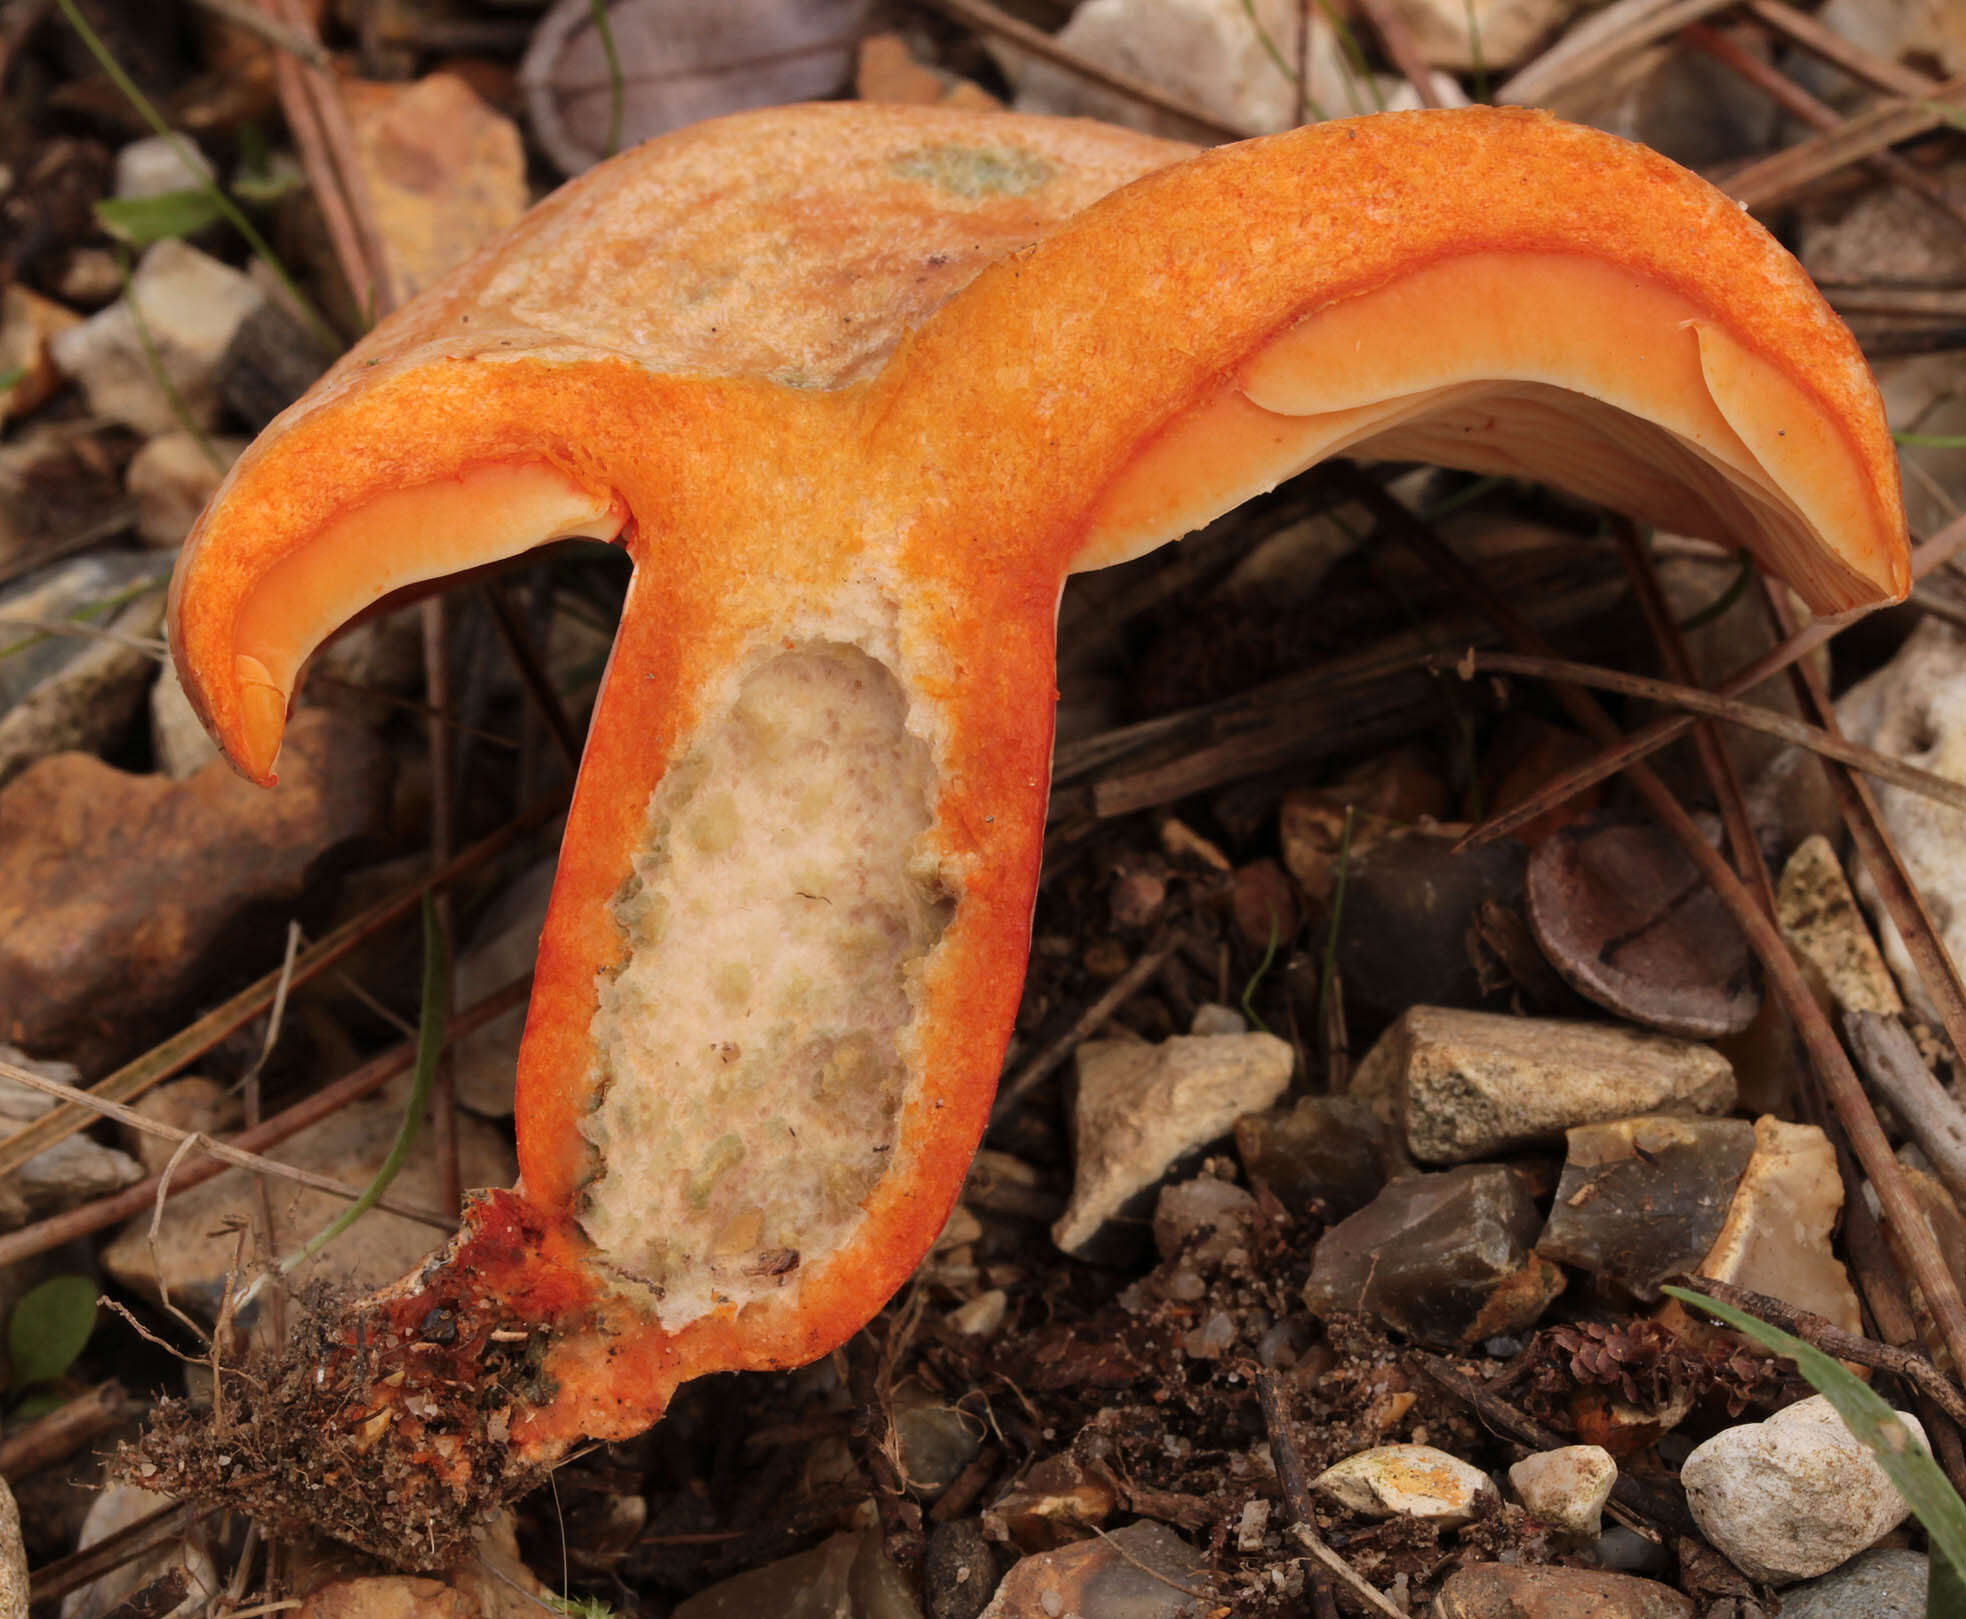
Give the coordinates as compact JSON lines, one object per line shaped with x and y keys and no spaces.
{"x":31,"y":1446}
{"x":1403,"y":47}
{"x":57,"y":1229}
{"x":990,"y":19}
{"x":55,"y":1580}
{"x":1916,"y":929}
{"x":1917,"y":1370}
{"x":1719,"y":767}
{"x":132,"y":1119}
{"x":1933,"y":1119}
{"x":1662,"y":733}
{"x":1879,"y":72}
{"x":1640,"y":1499}
{"x":1749,"y":716}
{"x":1093,"y":1019}
{"x":185,"y":1047}
{"x":1798,"y":103}
{"x":1297,"y":1494}
{"x":1777,"y":178}
{"x":533,"y":672}
{"x":1826,"y":1054}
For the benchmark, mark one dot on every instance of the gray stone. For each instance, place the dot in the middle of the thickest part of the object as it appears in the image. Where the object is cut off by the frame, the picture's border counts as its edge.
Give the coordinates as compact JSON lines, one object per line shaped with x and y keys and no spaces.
{"x":1408,"y":1481}
{"x":179,"y":741}
{"x":1142,"y":1107}
{"x":1914,"y":709}
{"x":172,"y":478}
{"x":156,"y":165}
{"x":1473,"y":1084}
{"x":1644,"y":1199}
{"x":76,"y":691}
{"x":959,"y":1572}
{"x":1822,"y":924}
{"x":1217,"y":55}
{"x":1888,"y":1583}
{"x":1442,"y":1258}
{"x":1144,"y":1571}
{"x":1496,"y":34}
{"x":1795,"y":1496}
{"x":191,"y":306}
{"x":76,"y":1170}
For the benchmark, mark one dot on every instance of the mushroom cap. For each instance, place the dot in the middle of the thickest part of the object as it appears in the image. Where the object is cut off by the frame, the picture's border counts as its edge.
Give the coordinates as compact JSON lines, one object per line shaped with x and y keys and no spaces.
{"x":878,"y":378}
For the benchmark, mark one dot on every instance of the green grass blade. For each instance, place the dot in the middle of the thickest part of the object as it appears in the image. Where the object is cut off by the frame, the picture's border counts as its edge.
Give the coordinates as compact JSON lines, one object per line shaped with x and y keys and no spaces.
{"x":617,"y":81}
{"x":1918,"y":1479}
{"x":435,"y":1013}
{"x":228,"y":209}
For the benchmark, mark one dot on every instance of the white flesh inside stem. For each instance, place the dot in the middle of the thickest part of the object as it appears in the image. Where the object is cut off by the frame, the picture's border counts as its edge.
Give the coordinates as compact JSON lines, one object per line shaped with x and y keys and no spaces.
{"x":754,"y":1048}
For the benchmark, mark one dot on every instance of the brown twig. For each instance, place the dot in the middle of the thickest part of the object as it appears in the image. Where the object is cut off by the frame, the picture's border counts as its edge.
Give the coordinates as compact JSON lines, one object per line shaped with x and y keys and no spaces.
{"x":1828,"y":1059}
{"x":1719,"y":767}
{"x":1089,"y":1022}
{"x":1875,"y":848}
{"x":171,"y":1056}
{"x":1598,"y":44}
{"x":1774,"y":180}
{"x":1631,"y":1493}
{"x":1890,"y":1060}
{"x":55,"y":1580}
{"x":1297,"y":1493}
{"x":1915,"y":1369}
{"x":1662,"y":733}
{"x":532,"y":672}
{"x":1749,"y":716}
{"x":1799,"y":104}
{"x":1403,"y":47}
{"x":990,"y":19}
{"x":1866,"y":67}
{"x":63,"y":1431}
{"x":131,"y":1119}
{"x":57,"y":1229}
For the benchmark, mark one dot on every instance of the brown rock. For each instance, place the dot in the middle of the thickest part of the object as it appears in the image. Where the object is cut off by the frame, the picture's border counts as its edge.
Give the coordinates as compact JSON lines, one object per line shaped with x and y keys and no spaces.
{"x":27,"y":322}
{"x":1144,"y":1571}
{"x":445,"y":172}
{"x":96,"y":952}
{"x":886,"y":72}
{"x":1511,"y":1591}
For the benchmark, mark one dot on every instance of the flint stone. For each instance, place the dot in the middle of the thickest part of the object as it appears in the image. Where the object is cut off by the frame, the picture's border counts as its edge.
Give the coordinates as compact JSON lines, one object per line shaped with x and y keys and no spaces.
{"x":1511,"y":1591}
{"x":1795,"y":1496}
{"x":28,"y":323}
{"x":1776,"y":1238}
{"x":1887,"y":1583}
{"x":1144,"y":1571}
{"x":191,"y":304}
{"x":1408,"y":1481}
{"x":1645,"y":1199}
{"x":1140,"y":1108}
{"x":1567,"y":1486}
{"x":1819,"y":918}
{"x":1443,"y":1258}
{"x":959,"y":1572}
{"x":1472,"y":1084}
{"x":1052,"y":1504}
{"x":1328,"y":1153}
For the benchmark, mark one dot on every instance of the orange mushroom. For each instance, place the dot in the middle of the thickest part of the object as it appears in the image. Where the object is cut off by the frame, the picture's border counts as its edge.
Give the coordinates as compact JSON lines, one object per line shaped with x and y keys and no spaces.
{"x":857,"y":387}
